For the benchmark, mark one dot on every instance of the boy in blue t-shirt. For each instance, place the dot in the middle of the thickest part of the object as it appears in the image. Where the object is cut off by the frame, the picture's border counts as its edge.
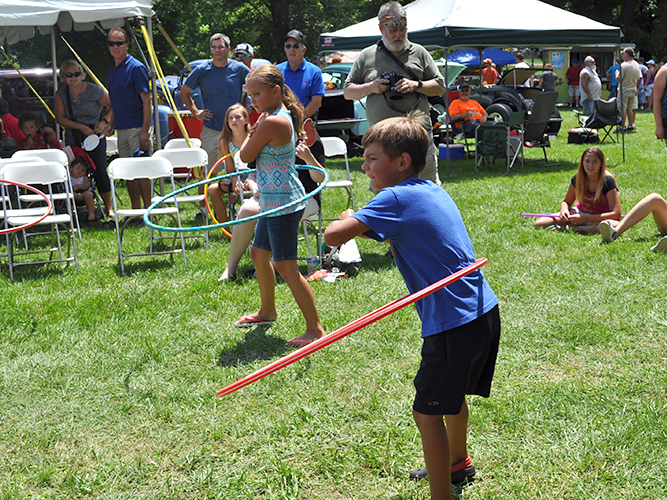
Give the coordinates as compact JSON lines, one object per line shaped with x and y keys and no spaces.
{"x":460,"y":323}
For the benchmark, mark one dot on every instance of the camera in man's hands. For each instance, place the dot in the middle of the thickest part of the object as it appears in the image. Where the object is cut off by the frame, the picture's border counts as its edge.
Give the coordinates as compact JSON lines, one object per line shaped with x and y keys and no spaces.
{"x":393,"y":78}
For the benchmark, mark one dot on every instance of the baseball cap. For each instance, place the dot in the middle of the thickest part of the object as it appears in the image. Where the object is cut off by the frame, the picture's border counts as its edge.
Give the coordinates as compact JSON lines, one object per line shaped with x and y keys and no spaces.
{"x":243,"y":48}
{"x":297,"y":35}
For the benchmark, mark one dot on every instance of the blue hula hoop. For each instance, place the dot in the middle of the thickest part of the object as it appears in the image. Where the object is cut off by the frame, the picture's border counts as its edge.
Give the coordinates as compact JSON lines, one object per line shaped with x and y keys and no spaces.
{"x":237,"y":221}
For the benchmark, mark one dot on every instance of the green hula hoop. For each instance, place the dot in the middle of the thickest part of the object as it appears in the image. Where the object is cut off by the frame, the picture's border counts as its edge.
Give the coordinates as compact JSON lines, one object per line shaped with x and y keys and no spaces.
{"x":237,"y":221}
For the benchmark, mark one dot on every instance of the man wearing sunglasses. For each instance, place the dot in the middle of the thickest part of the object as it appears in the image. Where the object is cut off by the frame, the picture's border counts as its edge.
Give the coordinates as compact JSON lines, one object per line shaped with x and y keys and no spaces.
{"x":301,"y":76}
{"x":244,"y":53}
{"x":408,"y":93}
{"x":130,"y":96}
{"x":221,"y":83}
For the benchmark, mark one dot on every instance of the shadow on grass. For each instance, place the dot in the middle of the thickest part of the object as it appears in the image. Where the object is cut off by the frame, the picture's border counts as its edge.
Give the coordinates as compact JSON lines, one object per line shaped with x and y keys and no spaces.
{"x":153,"y":263}
{"x":256,"y":345}
{"x":463,"y":170}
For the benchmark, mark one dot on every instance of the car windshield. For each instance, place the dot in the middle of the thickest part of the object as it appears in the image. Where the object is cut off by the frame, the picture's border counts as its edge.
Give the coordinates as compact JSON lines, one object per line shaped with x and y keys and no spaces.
{"x":333,"y":79}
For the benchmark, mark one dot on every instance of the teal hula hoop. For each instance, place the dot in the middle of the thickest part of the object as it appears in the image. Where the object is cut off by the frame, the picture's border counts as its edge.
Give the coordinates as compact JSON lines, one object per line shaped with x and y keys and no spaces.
{"x":237,"y":221}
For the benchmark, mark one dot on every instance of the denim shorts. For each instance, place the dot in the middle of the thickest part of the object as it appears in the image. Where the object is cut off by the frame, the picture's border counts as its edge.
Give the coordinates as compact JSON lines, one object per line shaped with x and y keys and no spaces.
{"x":279,"y":235}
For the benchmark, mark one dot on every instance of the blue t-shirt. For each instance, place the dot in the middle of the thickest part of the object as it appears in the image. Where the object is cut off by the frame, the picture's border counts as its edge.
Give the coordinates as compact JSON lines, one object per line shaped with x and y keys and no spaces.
{"x":305,"y":82}
{"x":126,"y":82}
{"x":429,"y":242}
{"x":220,"y":88}
{"x":612,"y":70}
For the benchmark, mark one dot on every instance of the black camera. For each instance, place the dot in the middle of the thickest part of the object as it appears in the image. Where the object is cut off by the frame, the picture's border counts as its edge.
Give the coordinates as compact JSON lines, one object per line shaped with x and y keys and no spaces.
{"x":393,"y":78}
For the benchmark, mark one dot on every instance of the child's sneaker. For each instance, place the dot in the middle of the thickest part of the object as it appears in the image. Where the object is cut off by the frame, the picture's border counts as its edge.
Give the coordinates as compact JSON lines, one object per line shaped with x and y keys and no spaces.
{"x":461,"y":473}
{"x":661,"y":246}
{"x":608,"y":232}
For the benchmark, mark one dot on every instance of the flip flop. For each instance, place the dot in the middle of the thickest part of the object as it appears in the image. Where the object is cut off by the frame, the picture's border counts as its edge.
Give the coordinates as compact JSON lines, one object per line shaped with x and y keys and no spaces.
{"x":297,"y":341}
{"x":250,"y":321}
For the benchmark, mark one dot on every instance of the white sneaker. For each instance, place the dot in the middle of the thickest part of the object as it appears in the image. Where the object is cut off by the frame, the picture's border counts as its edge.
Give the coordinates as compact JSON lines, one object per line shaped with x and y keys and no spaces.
{"x":609,"y":233}
{"x":661,"y":246}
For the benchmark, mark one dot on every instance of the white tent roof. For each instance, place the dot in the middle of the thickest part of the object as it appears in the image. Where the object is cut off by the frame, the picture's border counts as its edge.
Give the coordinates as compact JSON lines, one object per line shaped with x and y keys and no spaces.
{"x":488,"y":23}
{"x":19,"y":18}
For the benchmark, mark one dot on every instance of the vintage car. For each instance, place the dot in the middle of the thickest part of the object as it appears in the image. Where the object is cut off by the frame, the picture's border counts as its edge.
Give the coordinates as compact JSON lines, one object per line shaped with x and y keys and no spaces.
{"x":20,"y":98}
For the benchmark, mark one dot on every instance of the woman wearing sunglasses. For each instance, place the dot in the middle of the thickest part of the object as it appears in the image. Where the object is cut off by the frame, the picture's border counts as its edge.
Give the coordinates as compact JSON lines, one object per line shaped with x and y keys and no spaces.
{"x":79,"y":110}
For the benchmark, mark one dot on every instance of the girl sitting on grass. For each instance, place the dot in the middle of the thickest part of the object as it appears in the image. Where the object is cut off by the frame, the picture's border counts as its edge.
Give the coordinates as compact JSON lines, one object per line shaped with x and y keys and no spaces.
{"x":234,"y":132}
{"x":596,"y":190}
{"x":272,"y":143}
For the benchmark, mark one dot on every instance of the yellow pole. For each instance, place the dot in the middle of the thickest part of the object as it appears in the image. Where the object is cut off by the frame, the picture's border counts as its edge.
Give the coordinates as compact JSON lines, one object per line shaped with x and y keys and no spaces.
{"x":173,"y":45}
{"x":160,"y":74}
{"x":85,"y":67}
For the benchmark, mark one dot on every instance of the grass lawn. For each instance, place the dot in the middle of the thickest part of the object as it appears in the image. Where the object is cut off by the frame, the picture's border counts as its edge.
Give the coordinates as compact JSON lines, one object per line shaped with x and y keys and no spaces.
{"x":107,"y":383}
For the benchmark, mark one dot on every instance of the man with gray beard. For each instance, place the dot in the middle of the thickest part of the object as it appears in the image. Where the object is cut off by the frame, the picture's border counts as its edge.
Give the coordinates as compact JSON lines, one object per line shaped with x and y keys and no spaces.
{"x":390,"y":89}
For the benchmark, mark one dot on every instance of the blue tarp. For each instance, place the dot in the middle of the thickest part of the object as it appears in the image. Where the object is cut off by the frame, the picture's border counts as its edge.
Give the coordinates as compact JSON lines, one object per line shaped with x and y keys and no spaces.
{"x":470,"y":57}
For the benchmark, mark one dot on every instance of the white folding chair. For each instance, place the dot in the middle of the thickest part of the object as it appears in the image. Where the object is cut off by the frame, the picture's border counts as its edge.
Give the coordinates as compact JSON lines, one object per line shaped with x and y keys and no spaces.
{"x":152,"y":168}
{"x":112,"y":145}
{"x":57,"y":155}
{"x":48,"y":174}
{"x":335,"y":146}
{"x":312,"y":218}
{"x":180,"y":142}
{"x":185,"y":160}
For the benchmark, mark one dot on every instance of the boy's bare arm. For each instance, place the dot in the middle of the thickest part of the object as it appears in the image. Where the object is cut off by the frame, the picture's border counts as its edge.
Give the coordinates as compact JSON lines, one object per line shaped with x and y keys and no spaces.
{"x":344,"y":229}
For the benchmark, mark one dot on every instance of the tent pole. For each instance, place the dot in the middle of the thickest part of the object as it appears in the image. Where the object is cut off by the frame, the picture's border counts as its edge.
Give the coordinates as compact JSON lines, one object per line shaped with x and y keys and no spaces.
{"x":620,"y":94}
{"x":54,"y":68}
{"x":156,"y":110}
{"x":481,"y":82}
{"x":447,"y":121}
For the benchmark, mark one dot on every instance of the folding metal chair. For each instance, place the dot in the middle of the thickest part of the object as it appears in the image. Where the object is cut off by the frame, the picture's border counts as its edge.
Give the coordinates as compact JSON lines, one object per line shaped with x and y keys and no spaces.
{"x":143,"y":168}
{"x":534,"y":130}
{"x":335,"y":146}
{"x":494,"y":140}
{"x":57,"y":155}
{"x":605,"y":118}
{"x":50,"y":175}
{"x":185,"y":160}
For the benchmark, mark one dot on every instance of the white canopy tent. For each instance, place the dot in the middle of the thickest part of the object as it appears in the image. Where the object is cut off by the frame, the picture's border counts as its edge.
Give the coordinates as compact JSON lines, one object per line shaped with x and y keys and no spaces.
{"x":446,"y":24}
{"x":482,"y":23}
{"x":19,"y":20}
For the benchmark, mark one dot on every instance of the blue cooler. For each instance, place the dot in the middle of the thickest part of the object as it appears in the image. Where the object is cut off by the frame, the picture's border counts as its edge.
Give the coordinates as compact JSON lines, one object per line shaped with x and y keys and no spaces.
{"x":455,"y":151}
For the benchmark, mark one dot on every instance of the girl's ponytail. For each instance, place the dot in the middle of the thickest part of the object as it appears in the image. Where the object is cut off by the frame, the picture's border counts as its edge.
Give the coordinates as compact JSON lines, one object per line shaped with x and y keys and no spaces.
{"x":291,"y":102}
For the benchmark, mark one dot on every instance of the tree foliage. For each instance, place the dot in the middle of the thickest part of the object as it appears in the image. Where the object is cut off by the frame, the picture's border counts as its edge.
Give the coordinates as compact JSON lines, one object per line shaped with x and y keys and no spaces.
{"x":644,"y":22}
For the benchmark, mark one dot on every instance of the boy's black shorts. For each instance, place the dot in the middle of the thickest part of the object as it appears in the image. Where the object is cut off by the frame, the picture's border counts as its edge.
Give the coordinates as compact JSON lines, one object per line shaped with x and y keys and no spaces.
{"x":455,"y":363}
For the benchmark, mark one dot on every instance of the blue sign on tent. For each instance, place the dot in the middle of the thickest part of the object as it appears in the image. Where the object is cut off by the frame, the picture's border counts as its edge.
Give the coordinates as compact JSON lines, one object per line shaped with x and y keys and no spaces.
{"x":470,"y":57}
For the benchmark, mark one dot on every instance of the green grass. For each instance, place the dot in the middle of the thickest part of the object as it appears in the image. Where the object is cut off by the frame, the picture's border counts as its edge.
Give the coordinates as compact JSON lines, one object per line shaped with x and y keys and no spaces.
{"x":107,"y":383}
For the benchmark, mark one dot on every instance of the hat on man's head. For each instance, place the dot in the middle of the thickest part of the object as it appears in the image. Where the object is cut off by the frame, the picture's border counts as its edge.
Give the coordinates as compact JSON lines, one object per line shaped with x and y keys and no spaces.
{"x":651,"y":61}
{"x":464,"y":85}
{"x":297,"y":35}
{"x":487,"y":60}
{"x":243,"y":49}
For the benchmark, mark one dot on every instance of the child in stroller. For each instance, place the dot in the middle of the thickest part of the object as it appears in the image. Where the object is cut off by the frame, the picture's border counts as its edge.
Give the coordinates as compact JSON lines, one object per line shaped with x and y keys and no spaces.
{"x":79,"y":169}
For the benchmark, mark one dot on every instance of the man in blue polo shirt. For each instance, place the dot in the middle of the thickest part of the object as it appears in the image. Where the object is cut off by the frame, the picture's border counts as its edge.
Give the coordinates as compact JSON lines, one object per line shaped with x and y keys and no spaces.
{"x":221,"y":83}
{"x":302,"y":77}
{"x":130,"y":95}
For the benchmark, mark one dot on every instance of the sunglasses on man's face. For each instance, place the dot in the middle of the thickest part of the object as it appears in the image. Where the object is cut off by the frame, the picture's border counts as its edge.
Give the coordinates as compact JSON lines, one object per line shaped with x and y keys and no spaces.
{"x":116,"y":44}
{"x":241,"y":56}
{"x":295,"y":46}
{"x":75,"y":74}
